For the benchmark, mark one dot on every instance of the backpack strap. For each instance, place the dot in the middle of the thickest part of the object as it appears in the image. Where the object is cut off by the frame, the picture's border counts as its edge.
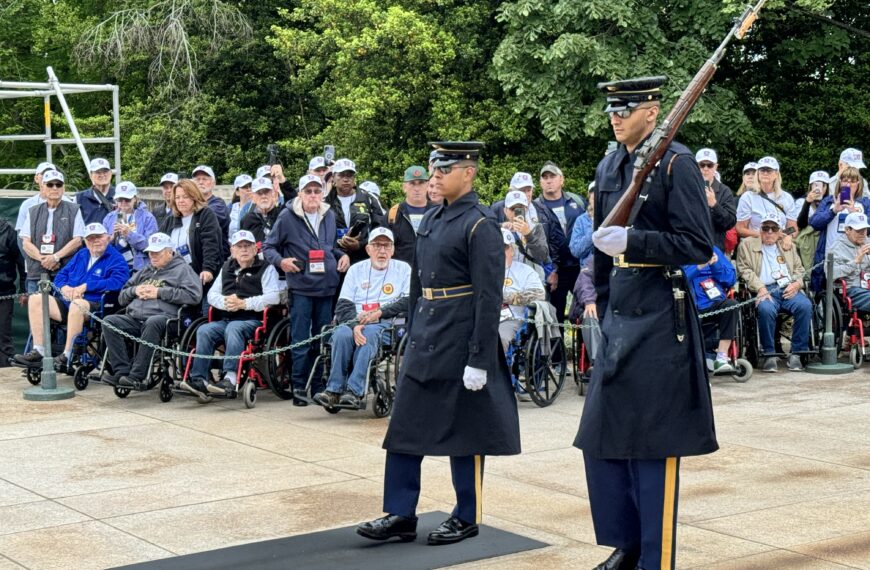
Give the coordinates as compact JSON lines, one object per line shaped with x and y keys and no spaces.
{"x":393,"y":214}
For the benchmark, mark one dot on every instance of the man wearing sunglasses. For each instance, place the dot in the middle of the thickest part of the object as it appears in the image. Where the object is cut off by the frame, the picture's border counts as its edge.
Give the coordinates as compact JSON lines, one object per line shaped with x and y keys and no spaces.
{"x":455,"y":397}
{"x":720,"y":198}
{"x":51,"y":232}
{"x":775,"y":275}
{"x":649,"y":401}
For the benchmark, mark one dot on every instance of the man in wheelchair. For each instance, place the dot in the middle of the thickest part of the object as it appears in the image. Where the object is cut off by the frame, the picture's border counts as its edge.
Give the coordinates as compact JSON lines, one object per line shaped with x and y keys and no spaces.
{"x":522,"y":286}
{"x":152,"y":296}
{"x":367,"y":294}
{"x":93,"y":271}
{"x":244,"y":288}
{"x":776,"y":275}
{"x":851,"y":261}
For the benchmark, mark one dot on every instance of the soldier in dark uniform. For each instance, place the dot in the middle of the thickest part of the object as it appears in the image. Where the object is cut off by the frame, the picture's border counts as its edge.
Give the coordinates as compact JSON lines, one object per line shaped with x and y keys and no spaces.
{"x":649,"y":398}
{"x":454,"y":391}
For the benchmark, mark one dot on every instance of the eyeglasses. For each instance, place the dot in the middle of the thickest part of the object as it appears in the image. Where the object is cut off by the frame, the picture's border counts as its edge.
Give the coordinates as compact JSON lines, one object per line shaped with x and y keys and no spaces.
{"x":765,"y":170}
{"x":850,"y":180}
{"x":345,"y":174}
{"x":125,"y":200}
{"x":447,"y":169}
{"x":381,"y":246}
{"x":54,"y":184}
{"x":313,"y":191}
{"x":770,"y":229}
{"x":626,"y":113}
{"x":706,"y":164}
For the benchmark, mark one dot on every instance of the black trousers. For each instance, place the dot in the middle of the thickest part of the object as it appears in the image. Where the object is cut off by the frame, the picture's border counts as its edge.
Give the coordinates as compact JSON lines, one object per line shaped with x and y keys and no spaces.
{"x":727,"y":321}
{"x":150,"y":329}
{"x":402,"y":486}
{"x":7,"y":351}
{"x":559,"y":297}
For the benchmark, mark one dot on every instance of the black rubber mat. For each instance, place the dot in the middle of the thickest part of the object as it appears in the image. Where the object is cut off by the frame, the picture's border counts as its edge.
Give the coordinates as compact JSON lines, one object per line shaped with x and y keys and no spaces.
{"x":343,"y":548}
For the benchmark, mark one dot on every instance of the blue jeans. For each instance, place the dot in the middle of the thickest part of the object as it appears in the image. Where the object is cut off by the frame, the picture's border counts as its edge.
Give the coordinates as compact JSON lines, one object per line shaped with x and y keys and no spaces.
{"x":798,"y":306}
{"x":860,"y":298}
{"x":31,"y":285}
{"x":307,"y":316}
{"x":345,"y":350}
{"x":233,"y":335}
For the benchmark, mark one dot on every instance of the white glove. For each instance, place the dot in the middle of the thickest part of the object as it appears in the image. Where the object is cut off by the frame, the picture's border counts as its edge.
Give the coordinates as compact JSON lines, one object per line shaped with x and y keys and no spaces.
{"x":474,"y":378}
{"x":612,"y":240}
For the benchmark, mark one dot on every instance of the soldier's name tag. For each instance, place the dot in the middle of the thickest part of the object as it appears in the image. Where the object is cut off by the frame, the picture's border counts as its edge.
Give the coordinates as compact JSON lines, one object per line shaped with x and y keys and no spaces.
{"x":316,"y":261}
{"x":47,"y":245}
{"x":865,"y":280}
{"x":370,"y":307}
{"x":506,"y":312}
{"x":710,"y":289}
{"x":184,"y":251}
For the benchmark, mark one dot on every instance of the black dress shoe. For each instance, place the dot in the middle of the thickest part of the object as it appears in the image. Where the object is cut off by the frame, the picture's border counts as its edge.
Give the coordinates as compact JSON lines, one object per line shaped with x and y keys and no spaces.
{"x":620,"y":559}
{"x":452,"y":530}
{"x":388,"y":527}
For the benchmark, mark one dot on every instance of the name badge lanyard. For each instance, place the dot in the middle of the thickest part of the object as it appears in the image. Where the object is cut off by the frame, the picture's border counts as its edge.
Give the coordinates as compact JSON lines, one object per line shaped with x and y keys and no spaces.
{"x":507,"y":311}
{"x":377,"y":304}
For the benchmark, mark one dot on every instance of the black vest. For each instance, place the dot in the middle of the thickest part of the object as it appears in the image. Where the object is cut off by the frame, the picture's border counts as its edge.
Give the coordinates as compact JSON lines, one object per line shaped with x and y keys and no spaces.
{"x":244,"y":283}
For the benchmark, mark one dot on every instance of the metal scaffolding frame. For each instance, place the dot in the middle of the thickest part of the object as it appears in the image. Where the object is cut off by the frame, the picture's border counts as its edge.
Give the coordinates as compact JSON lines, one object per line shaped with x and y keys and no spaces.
{"x":54,"y":88}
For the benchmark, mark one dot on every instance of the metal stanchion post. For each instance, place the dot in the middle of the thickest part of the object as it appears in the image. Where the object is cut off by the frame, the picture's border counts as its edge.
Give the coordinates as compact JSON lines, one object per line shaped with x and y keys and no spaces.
{"x":47,"y":389}
{"x":829,"y":364}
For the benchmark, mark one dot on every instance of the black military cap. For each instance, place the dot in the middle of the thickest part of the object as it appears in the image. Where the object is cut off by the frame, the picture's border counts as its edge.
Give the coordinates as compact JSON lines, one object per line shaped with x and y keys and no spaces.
{"x":632,"y":92}
{"x":446,"y":153}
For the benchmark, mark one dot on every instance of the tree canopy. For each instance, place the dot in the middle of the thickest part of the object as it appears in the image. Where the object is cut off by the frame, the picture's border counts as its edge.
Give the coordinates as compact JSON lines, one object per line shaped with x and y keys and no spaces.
{"x":216,"y":81}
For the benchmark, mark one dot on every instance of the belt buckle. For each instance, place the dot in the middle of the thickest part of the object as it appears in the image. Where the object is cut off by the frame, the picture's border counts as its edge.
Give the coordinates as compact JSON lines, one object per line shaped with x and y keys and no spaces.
{"x":427,"y":293}
{"x":619,"y":261}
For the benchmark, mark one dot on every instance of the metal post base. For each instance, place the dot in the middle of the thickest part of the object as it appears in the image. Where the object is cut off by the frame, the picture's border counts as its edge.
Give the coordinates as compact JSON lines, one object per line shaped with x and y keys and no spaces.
{"x":831,"y":369}
{"x":40,"y":394}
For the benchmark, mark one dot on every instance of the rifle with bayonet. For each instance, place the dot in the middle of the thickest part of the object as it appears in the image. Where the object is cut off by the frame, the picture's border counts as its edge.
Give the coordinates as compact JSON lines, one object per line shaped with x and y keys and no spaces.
{"x":652,"y":151}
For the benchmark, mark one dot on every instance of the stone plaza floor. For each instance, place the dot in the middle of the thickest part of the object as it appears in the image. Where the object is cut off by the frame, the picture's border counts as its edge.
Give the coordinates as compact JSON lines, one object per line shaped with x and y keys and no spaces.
{"x":96,"y":481}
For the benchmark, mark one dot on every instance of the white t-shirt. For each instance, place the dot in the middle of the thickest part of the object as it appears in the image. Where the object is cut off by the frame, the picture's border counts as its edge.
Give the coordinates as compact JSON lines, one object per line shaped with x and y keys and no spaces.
{"x":773,"y":265}
{"x":366,"y":287}
{"x":78,"y":226}
{"x":312,"y":220}
{"x":91,"y":261}
{"x":753,"y":207}
{"x":346,"y":201}
{"x":519,"y":277}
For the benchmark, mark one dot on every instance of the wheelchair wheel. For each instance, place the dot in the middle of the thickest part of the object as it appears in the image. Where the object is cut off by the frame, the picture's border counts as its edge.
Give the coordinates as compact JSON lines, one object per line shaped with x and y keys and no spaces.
{"x":186,"y":344}
{"x":743,"y":370}
{"x":836,"y":322}
{"x":397,"y":364}
{"x":34,"y":376}
{"x":855,"y":357}
{"x":747,"y":335}
{"x":122,"y":392}
{"x":80,"y":380}
{"x":280,"y":365}
{"x":249,"y":394}
{"x":382,"y":395}
{"x":545,"y":373}
{"x":577,"y":349}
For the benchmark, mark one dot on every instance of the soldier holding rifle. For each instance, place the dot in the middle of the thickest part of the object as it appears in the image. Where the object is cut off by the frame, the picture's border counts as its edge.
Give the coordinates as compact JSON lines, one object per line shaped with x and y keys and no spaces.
{"x":649,"y":398}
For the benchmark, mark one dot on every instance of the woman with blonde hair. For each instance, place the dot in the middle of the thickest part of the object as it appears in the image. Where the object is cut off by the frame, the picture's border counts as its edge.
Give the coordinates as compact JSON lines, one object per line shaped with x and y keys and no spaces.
{"x":767,"y":198}
{"x":750,"y":179}
{"x":195,"y":231}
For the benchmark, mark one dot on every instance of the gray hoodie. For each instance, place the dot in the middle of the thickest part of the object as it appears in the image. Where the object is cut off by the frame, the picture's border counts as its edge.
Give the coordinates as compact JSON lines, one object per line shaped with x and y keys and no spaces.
{"x":844,"y":262}
{"x":178,"y":285}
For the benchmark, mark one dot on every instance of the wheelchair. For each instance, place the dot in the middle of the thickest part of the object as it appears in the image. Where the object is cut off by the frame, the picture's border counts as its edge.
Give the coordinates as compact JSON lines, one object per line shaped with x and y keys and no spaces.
{"x":164,"y":368}
{"x":251,"y":373}
{"x":537,"y":367}
{"x":847,"y":323}
{"x":86,"y":350}
{"x":582,"y":361}
{"x":743,"y":368}
{"x":381,"y":374}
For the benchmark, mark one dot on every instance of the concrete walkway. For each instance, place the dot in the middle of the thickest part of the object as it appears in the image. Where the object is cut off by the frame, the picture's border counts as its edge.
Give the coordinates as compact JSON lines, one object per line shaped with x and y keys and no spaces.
{"x":96,"y":481}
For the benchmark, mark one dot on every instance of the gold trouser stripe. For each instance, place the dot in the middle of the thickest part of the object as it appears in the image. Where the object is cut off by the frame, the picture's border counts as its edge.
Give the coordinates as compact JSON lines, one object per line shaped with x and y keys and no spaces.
{"x":478,"y":490}
{"x":668,"y":513}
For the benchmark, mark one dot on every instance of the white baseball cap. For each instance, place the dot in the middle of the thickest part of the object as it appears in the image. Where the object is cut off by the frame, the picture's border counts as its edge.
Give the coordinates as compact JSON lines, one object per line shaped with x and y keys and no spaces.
{"x":706,"y":155}
{"x":316,"y":162}
{"x":100,"y":164}
{"x":371,"y":187}
{"x":203,"y":168}
{"x":515,"y":197}
{"x":158,"y":242}
{"x":857,"y":221}
{"x":43,"y":166}
{"x":853,"y":157}
{"x":750,"y":166}
{"x":820,"y":176}
{"x":169,"y":177}
{"x":771,"y":217}
{"x":507,"y":237}
{"x":768,"y":162}
{"x":242,"y":235}
{"x":378,"y":232}
{"x":126,"y":190}
{"x":522,"y":180}
{"x":264,"y":171}
{"x":95,"y":230}
{"x":261,"y":184}
{"x":343,"y":165}
{"x":308,"y":179}
{"x":242,"y":180}
{"x":52,"y":175}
